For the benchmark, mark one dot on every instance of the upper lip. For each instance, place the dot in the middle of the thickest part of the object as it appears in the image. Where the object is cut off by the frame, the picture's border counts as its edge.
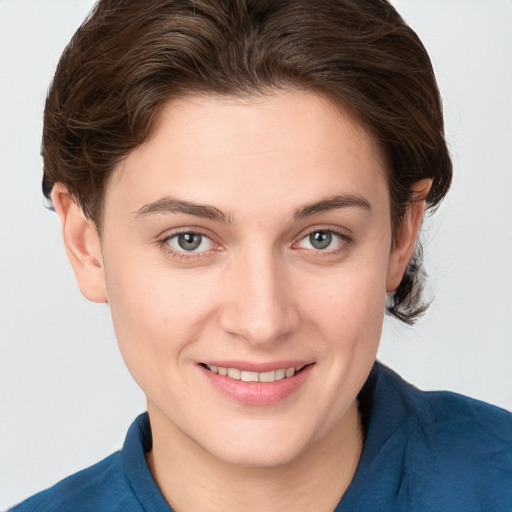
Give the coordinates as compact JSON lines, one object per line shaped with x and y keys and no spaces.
{"x":249,"y":366}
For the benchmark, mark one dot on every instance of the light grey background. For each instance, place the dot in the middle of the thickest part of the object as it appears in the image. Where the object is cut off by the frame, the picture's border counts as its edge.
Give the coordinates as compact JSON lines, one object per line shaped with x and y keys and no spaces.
{"x":66,"y":398}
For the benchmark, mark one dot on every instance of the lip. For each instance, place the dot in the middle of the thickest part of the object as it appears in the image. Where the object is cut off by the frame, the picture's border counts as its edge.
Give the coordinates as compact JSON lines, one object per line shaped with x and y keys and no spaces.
{"x":258,"y":367}
{"x":257,"y":393}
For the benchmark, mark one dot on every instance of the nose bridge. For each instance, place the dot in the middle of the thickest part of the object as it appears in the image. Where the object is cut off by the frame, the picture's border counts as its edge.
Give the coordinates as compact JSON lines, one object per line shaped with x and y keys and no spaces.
{"x":260,"y":307}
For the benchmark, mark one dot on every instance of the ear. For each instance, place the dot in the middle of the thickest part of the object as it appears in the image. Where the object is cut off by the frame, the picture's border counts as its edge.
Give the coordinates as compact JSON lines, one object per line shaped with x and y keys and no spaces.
{"x":82,"y":243}
{"x":405,"y":242}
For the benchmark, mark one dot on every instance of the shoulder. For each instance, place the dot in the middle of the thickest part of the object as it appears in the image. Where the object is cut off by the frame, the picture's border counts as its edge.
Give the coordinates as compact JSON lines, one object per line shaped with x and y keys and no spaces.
{"x":469,"y":421}
{"x":102,"y":486}
{"x":472,"y":444}
{"x":121,"y":482}
{"x":445,"y":412}
{"x":462,"y":449}
{"x":450,"y":410}
{"x":457,"y":423}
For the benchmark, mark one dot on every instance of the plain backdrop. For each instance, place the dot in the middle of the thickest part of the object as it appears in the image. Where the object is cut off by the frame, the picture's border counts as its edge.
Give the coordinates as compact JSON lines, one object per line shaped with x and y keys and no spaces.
{"x":66,"y":398}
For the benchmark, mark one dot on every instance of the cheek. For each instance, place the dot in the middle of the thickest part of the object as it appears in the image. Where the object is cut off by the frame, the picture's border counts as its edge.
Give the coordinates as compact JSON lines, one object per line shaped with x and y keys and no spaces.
{"x":350,"y":299}
{"x":351,"y":320}
{"x":347,"y":321}
{"x":345,"y":314}
{"x":156,"y":313}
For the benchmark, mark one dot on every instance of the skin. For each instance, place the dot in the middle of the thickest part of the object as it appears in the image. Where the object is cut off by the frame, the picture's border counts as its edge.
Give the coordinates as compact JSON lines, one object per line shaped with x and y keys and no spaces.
{"x":256,"y":290}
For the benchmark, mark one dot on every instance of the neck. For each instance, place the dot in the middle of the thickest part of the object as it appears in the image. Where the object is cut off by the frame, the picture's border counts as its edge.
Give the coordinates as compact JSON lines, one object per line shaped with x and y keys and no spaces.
{"x":192,"y":479}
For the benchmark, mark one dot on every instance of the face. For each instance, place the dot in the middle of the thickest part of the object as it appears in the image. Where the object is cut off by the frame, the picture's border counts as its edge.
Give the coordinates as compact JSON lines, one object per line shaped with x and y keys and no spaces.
{"x":246,"y":253}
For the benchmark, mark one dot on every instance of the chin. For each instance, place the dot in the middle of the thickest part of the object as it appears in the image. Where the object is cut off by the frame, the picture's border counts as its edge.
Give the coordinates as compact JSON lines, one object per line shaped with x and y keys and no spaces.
{"x":259,"y":450}
{"x":258,"y":458}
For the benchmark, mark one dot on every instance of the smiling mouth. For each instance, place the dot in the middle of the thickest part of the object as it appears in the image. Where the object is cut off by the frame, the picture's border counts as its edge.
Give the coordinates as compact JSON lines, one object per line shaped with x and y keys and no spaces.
{"x":247,"y":376}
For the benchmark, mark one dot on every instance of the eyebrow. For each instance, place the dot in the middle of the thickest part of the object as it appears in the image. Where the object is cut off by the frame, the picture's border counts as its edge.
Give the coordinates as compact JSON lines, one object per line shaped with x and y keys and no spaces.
{"x":332,"y":203}
{"x":173,"y":205}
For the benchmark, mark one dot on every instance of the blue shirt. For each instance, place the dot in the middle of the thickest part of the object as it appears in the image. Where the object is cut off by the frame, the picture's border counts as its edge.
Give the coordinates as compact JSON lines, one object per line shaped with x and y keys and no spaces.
{"x":423,"y":451}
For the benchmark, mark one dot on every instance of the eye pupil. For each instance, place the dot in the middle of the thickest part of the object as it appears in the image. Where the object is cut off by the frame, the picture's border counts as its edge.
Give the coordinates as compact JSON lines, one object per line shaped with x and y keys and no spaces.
{"x":189,"y":241}
{"x":320,"y":239}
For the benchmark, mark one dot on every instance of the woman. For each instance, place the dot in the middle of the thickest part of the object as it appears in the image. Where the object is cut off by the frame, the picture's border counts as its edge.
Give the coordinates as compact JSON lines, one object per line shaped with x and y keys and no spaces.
{"x":243,"y":183}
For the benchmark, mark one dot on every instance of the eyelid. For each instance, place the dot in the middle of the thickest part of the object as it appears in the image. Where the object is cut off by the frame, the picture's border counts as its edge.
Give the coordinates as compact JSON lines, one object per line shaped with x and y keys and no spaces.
{"x":345,"y":239}
{"x":163,"y":240}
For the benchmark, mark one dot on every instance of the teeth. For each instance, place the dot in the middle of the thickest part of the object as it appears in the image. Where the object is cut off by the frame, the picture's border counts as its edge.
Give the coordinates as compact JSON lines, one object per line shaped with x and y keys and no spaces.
{"x":280,"y":374}
{"x":235,"y":373}
{"x":267,"y":376}
{"x":290,"y":372}
{"x":249,"y":376}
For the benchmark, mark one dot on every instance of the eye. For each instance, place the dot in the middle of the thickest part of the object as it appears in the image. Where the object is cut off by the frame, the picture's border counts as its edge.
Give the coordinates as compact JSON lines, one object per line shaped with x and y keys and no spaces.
{"x":189,"y":242}
{"x":322,"y":240}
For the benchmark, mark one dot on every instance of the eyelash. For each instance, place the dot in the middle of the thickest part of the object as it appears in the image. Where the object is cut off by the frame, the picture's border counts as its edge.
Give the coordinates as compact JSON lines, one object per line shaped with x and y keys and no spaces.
{"x":184,"y":255}
{"x":344,"y":241}
{"x":163,"y":242}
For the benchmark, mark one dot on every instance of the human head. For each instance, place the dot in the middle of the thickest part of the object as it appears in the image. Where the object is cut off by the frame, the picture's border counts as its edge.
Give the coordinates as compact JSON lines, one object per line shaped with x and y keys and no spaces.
{"x":131,"y":58}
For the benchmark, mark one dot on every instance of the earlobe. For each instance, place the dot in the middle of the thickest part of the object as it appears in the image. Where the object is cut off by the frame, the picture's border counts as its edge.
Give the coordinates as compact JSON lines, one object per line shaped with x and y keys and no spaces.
{"x":407,"y":235}
{"x":82,"y":243}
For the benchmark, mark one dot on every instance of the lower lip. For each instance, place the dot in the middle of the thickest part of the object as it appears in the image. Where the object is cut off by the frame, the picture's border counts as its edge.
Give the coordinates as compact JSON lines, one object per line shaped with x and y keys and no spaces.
{"x":257,"y":393}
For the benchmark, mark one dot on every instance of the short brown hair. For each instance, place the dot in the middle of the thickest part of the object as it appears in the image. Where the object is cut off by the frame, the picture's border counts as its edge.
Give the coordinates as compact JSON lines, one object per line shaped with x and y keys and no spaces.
{"x":130,"y":57}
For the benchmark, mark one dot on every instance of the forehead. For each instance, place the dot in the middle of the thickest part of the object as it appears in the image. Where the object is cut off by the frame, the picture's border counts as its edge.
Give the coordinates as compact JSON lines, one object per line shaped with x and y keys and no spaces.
{"x":284,"y":147}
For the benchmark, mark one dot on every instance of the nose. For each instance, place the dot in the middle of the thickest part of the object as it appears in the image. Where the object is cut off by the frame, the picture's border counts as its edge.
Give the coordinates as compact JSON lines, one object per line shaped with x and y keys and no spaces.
{"x":259,"y":304}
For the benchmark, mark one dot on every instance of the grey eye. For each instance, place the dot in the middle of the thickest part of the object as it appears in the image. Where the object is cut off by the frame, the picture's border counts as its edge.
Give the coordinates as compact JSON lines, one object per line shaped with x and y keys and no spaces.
{"x":189,"y":241}
{"x":320,"y":239}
